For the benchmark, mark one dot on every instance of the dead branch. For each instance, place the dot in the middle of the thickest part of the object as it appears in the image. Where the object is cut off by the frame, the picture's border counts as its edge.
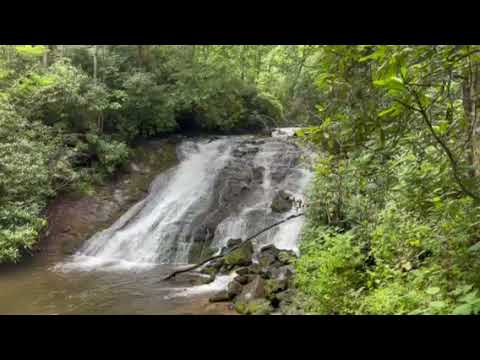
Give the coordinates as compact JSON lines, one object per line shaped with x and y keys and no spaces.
{"x":190,"y":268}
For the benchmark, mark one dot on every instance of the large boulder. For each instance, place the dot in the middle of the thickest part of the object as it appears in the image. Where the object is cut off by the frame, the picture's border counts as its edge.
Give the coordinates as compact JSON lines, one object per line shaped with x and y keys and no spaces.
{"x":221,"y":296}
{"x":274,"y":286}
{"x":266,"y":259}
{"x":255,"y":289}
{"x":242,"y":256}
{"x":213,"y":267}
{"x":282,"y":202}
{"x":254,"y":307}
{"x":284,"y":272}
{"x":243,"y":279}
{"x":243,"y":271}
{"x":233,"y":242}
{"x":234,"y":288}
{"x":270,"y":249}
{"x":286,"y":257}
{"x":286,"y":298}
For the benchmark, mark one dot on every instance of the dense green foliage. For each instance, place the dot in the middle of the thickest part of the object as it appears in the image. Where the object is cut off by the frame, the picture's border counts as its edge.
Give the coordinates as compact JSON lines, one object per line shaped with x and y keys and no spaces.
{"x":393,"y":224}
{"x":69,"y":115}
{"x":393,"y":212}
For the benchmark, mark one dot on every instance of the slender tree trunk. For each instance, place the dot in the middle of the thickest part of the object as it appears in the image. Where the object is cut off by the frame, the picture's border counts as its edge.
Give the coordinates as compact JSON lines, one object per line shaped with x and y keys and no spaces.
{"x":242,"y":62}
{"x":45,"y":58}
{"x":100,"y":122}
{"x":95,"y":64}
{"x":143,"y":56}
{"x":470,"y":105}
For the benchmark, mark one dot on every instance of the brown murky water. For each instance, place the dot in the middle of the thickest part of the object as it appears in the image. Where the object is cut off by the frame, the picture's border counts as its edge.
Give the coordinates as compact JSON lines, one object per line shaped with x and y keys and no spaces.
{"x":34,"y":287}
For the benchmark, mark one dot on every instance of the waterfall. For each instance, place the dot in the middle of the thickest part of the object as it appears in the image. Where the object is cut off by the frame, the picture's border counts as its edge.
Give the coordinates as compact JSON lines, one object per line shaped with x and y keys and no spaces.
{"x":221,"y":189}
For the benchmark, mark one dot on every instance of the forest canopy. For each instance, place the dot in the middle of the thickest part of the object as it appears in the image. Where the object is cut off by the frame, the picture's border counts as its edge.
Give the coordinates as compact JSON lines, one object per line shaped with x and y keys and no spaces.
{"x":393,"y":211}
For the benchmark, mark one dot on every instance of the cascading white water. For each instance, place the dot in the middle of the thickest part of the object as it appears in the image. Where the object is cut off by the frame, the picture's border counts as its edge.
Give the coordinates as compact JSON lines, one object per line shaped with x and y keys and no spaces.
{"x":160,"y":228}
{"x":156,"y":229}
{"x":258,"y":214}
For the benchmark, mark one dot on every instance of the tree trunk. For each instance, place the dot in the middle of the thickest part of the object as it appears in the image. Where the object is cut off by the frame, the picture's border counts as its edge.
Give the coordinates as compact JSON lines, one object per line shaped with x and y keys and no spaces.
{"x":45,"y":58}
{"x":95,"y":64}
{"x":142,"y":56}
{"x":470,"y":105}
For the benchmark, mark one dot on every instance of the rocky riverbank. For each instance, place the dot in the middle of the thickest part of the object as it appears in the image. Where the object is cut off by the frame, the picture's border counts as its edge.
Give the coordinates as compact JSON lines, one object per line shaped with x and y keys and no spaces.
{"x":263,"y":282}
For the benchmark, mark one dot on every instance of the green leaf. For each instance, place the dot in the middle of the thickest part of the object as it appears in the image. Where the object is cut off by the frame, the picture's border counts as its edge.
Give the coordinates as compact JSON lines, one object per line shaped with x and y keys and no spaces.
{"x":31,"y":50}
{"x":376,"y":55}
{"x":392,"y":83}
{"x":465,"y":309}
{"x":433,"y":290}
{"x":475,"y":247}
{"x":437,"y":305}
{"x":388,"y":111}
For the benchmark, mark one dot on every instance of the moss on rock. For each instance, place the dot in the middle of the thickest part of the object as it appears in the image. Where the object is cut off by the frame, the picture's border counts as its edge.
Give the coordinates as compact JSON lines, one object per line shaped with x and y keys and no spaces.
{"x":241,"y":256}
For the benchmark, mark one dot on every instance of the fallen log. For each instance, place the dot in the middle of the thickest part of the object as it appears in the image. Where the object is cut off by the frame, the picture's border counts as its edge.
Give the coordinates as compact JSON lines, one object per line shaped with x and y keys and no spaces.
{"x":195,"y":266}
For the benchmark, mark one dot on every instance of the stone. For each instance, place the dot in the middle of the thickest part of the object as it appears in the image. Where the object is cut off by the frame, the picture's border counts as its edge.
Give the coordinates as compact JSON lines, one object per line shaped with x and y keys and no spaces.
{"x":241,"y":256}
{"x":273,"y":286}
{"x":258,"y":173}
{"x":253,"y":290}
{"x":285,"y":272}
{"x":213,"y":267}
{"x":220,"y":296}
{"x":254,"y":307}
{"x":269,"y":249}
{"x":254,"y":269}
{"x":286,"y":257}
{"x":282,"y":202}
{"x":234,"y":288}
{"x":243,"y":271}
{"x":266,"y":259}
{"x":242,"y":279}
{"x":207,"y":280}
{"x":286,"y":296}
{"x":233,"y":242}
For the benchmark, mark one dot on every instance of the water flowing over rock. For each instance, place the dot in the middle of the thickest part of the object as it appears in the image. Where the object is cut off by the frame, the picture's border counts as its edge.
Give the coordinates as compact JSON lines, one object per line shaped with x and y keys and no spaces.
{"x":222,"y":189}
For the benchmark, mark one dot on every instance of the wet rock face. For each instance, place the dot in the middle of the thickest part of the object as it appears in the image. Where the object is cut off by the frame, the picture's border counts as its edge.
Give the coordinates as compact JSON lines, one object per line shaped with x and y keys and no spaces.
{"x":238,"y":183}
{"x":241,"y":182}
{"x":282,"y":202}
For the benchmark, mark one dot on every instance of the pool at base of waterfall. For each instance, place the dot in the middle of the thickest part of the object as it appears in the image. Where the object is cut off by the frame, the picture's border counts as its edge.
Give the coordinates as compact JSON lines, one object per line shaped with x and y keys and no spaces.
{"x":36,"y":287}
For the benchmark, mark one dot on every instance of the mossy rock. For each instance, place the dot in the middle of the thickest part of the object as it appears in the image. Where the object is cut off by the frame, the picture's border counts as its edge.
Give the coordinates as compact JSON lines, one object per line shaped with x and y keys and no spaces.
{"x":241,"y":256}
{"x":286,"y":257}
{"x":243,"y":279}
{"x":207,"y":280}
{"x":253,"y":269}
{"x":213,"y":267}
{"x":254,"y":307}
{"x":282,"y":202}
{"x":234,"y":288}
{"x":274,"y":286}
{"x":266,"y":259}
